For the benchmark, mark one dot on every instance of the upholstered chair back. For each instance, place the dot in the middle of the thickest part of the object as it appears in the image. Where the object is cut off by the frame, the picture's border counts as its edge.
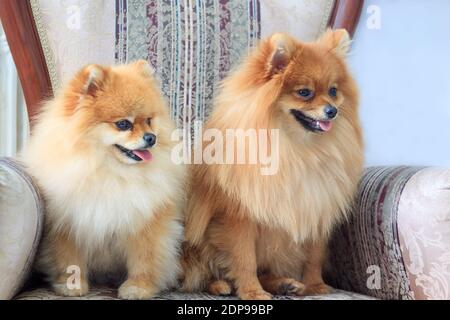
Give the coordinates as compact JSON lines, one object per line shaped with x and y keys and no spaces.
{"x":191,"y":44}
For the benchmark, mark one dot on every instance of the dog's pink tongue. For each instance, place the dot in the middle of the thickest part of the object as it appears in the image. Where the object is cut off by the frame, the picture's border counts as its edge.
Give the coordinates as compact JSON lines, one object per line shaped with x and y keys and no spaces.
{"x":326,"y":125}
{"x":145,"y":155}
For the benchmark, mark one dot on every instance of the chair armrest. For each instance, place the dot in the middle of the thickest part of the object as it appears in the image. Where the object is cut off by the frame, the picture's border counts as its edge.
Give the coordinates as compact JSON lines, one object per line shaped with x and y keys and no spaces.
{"x":21,"y":220}
{"x":396,"y":244}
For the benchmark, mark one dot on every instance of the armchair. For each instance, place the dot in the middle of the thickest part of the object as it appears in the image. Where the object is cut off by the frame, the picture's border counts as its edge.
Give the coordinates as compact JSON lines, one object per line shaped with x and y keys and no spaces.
{"x":394,"y":246}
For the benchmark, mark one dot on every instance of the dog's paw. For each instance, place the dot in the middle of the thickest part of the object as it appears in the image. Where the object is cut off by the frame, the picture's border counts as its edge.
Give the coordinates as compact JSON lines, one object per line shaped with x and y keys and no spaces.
{"x":219,"y":288}
{"x":130,"y":290}
{"x":291,"y":287}
{"x":254,"y":295}
{"x":316,"y":290}
{"x":63,"y":290}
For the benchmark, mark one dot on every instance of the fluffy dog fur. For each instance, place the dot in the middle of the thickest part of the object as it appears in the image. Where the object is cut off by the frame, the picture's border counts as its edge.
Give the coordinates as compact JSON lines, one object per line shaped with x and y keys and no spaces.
{"x":264,"y":235}
{"x":106,"y":212}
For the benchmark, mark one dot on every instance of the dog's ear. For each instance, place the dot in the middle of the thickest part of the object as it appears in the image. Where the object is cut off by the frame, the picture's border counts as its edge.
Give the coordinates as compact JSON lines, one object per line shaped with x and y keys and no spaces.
{"x":91,"y":79}
{"x":145,"y":68}
{"x":338,"y":41}
{"x":282,"y":48}
{"x":86,"y":84}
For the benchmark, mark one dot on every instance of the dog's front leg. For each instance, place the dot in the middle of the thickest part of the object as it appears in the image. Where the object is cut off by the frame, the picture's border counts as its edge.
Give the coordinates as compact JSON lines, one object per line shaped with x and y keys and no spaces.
{"x":152,"y":257}
{"x":312,"y":271}
{"x":66,"y":264}
{"x":241,"y":247}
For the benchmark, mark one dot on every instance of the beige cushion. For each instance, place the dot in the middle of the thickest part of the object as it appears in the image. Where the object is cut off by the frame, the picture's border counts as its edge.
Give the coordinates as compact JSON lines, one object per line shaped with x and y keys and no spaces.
{"x":21,"y":219}
{"x":424,"y":231}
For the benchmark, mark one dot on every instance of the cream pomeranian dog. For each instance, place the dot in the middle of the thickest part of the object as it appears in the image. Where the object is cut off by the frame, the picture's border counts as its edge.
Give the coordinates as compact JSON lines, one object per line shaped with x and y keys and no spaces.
{"x":263,"y":235}
{"x":101,"y":152}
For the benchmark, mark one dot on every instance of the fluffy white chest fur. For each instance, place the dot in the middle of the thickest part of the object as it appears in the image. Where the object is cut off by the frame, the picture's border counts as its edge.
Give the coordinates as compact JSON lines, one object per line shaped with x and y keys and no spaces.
{"x":100,"y":201}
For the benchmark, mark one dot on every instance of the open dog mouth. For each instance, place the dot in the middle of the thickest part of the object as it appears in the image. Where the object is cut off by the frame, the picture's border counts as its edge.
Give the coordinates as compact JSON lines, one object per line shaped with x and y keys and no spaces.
{"x":137,"y":155}
{"x":311,"y":124}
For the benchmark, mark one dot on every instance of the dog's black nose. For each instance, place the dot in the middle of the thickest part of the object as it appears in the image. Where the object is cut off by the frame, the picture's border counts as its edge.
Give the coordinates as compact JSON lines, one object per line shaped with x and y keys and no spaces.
{"x":331,"y":112}
{"x":150,"y":138}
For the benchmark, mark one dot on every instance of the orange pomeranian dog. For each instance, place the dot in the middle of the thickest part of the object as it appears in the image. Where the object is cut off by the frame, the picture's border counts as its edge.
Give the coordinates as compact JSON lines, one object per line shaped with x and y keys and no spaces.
{"x":267,"y":234}
{"x":101,"y":152}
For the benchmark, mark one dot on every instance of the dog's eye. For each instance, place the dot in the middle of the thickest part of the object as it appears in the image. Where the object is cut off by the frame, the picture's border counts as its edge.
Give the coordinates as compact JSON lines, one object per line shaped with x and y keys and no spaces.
{"x":149,"y":121}
{"x":333,"y":92}
{"x":124,"y":125}
{"x":305,"y":93}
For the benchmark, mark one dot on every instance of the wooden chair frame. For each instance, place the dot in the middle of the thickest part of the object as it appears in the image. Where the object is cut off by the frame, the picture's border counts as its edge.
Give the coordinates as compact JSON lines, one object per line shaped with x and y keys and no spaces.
{"x":24,"y":42}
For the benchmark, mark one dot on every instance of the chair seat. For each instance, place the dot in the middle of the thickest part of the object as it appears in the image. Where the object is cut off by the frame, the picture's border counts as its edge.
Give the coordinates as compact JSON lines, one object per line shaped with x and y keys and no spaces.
{"x":111,"y":294}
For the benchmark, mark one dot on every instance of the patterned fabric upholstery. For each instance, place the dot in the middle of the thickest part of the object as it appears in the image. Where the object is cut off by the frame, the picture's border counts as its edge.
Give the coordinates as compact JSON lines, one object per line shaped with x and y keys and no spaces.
{"x":397,"y":243}
{"x":21,"y":218}
{"x":424,"y":232}
{"x":191,"y":44}
{"x":110,"y":294}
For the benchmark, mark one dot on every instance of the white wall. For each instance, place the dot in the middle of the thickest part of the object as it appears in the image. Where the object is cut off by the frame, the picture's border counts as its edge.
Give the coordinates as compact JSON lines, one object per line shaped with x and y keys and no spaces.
{"x":13,"y":115}
{"x":403,"y":71}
